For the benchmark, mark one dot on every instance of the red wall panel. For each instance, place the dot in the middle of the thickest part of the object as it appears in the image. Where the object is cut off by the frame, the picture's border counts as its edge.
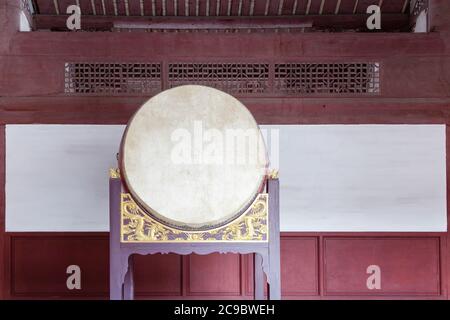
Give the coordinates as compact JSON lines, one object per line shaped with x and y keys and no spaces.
{"x":39,"y":265}
{"x":299,"y":267}
{"x":158,"y":275}
{"x":214,"y":274}
{"x":409,"y":266}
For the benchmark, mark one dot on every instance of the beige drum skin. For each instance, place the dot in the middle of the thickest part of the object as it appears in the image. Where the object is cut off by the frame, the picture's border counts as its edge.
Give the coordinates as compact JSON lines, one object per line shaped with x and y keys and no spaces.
{"x":193,"y":157}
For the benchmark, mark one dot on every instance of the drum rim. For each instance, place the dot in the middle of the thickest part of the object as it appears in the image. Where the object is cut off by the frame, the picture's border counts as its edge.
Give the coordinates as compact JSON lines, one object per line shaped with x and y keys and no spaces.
{"x":179,"y":225}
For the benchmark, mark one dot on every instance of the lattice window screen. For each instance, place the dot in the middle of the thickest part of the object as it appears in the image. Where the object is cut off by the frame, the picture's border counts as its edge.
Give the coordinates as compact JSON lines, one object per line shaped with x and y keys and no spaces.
{"x":113,"y":78}
{"x":327,"y":78}
{"x":248,"y":78}
{"x":297,"y":79}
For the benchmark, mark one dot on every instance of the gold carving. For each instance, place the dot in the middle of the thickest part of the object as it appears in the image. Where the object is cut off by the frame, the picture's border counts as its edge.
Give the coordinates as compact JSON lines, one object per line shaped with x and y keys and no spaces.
{"x":114,"y":173}
{"x":273,"y":174}
{"x":137,"y":226}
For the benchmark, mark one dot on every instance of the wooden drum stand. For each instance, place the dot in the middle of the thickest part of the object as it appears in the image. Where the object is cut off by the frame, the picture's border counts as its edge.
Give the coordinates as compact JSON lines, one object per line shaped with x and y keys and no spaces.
{"x":132,"y":231}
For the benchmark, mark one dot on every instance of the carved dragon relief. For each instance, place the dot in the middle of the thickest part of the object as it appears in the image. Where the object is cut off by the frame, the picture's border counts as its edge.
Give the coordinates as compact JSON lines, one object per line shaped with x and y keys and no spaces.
{"x":139,"y":227}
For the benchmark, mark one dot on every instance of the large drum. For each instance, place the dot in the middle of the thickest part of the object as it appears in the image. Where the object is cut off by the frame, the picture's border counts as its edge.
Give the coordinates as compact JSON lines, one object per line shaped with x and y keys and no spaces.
{"x":193,"y":158}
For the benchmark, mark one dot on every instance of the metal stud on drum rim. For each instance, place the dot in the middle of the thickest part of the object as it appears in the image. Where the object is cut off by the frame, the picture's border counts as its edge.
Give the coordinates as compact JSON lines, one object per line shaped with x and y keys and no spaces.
{"x":193,"y":158}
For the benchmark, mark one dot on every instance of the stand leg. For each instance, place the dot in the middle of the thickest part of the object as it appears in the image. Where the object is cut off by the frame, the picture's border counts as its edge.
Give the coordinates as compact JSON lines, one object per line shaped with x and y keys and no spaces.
{"x":274,"y":245}
{"x":115,"y":261}
{"x":115,"y":283}
{"x":259,"y":280}
{"x":274,"y":285}
{"x":128,"y":286}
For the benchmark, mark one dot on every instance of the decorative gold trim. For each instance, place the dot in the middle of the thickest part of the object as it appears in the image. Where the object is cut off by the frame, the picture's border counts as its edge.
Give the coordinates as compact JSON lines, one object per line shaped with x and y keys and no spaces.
{"x":114,"y":173}
{"x":273,"y":174}
{"x":137,"y":226}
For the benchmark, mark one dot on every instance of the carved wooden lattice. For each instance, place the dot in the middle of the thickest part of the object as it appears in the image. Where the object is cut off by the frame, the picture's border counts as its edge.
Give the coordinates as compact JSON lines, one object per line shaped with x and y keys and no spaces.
{"x":248,"y":78}
{"x":251,"y":79}
{"x":327,"y":78}
{"x":113,"y":78}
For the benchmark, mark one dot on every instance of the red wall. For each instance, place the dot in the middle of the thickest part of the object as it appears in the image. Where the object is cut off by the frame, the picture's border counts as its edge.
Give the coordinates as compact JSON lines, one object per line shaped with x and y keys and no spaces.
{"x":313,"y":267}
{"x":414,"y":89}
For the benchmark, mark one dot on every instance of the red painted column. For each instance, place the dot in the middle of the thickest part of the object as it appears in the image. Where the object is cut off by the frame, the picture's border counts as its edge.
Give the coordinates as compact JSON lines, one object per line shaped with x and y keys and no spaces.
{"x":446,"y":245}
{"x":3,"y":250}
{"x":439,"y":13}
{"x":9,"y":26}
{"x":9,"y":22}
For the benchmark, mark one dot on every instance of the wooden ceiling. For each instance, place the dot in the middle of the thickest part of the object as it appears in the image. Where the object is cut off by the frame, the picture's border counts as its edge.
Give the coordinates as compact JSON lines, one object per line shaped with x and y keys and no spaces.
{"x":328,"y":15}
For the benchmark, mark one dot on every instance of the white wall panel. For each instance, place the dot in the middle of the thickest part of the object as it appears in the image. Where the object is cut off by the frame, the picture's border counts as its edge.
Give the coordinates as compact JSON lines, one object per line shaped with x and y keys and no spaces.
{"x":363,"y":178}
{"x":333,"y":177}
{"x":57,"y":176}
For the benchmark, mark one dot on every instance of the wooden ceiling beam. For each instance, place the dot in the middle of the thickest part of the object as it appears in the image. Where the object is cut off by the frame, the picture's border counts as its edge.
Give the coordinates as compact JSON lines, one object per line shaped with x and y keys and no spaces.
{"x":58,"y":22}
{"x":224,"y":23}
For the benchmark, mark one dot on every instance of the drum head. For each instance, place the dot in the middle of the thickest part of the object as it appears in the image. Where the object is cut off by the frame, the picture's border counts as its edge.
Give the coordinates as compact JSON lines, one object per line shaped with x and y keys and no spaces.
{"x":193,"y":158}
